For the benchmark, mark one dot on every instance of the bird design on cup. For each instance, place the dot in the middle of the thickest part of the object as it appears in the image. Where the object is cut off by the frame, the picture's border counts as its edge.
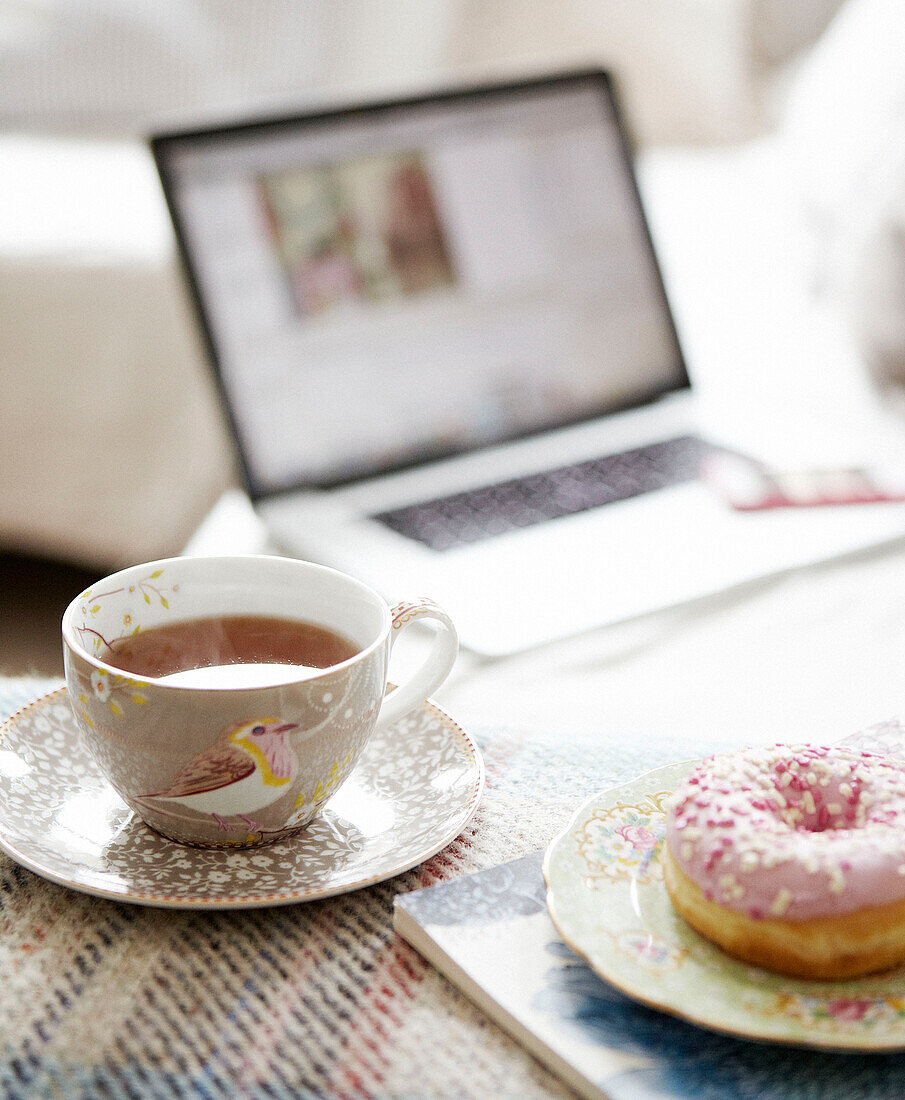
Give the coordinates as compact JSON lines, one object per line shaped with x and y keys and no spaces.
{"x":248,"y":767}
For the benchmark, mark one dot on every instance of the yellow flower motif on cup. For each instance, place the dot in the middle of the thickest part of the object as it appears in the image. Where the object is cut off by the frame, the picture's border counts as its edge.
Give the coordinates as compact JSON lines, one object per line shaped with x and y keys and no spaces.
{"x":82,"y":701}
{"x":100,"y":684}
{"x":322,"y":791}
{"x":115,"y":690}
{"x":148,"y":588}
{"x":337,"y":772}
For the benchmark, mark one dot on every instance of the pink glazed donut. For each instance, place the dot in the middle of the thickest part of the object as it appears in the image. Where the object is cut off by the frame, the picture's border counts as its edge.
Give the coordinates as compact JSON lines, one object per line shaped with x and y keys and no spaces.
{"x":793,"y":858}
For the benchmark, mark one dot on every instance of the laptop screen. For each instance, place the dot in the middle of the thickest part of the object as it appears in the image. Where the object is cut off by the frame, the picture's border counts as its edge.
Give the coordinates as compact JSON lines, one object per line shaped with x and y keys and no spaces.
{"x":383,"y":286}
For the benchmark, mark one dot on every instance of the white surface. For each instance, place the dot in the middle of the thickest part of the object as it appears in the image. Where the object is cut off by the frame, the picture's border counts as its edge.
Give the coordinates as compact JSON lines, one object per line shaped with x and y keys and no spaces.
{"x":810,"y":657}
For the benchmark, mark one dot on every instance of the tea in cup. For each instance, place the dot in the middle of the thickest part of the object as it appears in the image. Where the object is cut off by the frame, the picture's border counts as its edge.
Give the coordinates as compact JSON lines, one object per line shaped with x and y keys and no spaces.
{"x":226,"y":699}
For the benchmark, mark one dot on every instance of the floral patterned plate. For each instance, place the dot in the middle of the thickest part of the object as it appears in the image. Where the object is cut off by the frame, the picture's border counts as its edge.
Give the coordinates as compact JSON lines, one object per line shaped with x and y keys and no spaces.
{"x":606,"y":896}
{"x":413,"y":791}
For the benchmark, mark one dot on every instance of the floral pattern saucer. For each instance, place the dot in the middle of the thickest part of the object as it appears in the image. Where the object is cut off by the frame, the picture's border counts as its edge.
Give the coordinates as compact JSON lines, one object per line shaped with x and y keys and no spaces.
{"x":606,"y":896}
{"x":414,"y":789}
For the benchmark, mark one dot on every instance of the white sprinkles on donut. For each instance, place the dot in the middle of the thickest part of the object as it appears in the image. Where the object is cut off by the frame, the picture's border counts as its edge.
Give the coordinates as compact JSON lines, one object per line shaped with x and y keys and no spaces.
{"x":792,"y":831}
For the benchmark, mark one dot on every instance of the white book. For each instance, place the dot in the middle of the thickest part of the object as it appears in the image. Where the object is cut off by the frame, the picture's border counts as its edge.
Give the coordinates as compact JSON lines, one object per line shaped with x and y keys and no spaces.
{"x":490,"y":935}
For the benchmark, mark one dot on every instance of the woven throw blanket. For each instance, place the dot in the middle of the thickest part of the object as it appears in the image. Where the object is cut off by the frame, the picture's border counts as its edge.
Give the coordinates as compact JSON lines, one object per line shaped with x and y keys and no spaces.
{"x":99,"y":999}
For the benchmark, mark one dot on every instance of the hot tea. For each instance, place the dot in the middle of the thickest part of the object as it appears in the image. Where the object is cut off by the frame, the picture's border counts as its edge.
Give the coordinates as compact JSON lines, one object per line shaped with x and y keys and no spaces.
{"x":248,"y":749}
{"x":229,"y":640}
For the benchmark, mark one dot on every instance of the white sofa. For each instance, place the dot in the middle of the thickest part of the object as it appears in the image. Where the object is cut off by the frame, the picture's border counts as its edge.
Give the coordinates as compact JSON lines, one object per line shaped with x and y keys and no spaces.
{"x":113,"y":446}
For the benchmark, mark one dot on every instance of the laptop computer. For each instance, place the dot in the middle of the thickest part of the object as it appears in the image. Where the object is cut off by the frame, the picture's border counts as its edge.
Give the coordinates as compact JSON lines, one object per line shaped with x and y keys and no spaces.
{"x":447,"y":358}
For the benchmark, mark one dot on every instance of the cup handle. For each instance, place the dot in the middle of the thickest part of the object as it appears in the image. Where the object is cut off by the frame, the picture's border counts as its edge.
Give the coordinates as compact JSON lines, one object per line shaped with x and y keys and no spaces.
{"x":437,"y":665}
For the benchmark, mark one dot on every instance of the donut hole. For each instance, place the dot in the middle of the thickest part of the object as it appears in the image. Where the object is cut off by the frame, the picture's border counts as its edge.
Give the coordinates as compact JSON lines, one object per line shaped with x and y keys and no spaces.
{"x":814,"y":797}
{"x":803,"y":822}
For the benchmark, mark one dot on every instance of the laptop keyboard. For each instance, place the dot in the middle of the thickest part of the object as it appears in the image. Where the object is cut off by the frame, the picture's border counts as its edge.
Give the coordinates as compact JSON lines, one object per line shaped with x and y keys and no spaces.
{"x":493,"y":510}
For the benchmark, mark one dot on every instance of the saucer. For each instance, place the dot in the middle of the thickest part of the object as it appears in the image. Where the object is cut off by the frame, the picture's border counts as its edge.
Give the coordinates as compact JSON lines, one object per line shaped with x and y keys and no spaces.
{"x":414,"y":789}
{"x":606,"y":897}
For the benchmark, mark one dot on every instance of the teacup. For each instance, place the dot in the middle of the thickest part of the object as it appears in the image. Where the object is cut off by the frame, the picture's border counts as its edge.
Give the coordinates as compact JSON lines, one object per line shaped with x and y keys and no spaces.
{"x":246,"y":754}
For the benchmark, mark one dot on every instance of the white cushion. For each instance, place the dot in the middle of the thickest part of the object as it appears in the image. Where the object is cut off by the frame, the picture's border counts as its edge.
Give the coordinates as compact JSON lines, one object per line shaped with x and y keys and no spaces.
{"x":845,"y":132}
{"x":112,"y":448}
